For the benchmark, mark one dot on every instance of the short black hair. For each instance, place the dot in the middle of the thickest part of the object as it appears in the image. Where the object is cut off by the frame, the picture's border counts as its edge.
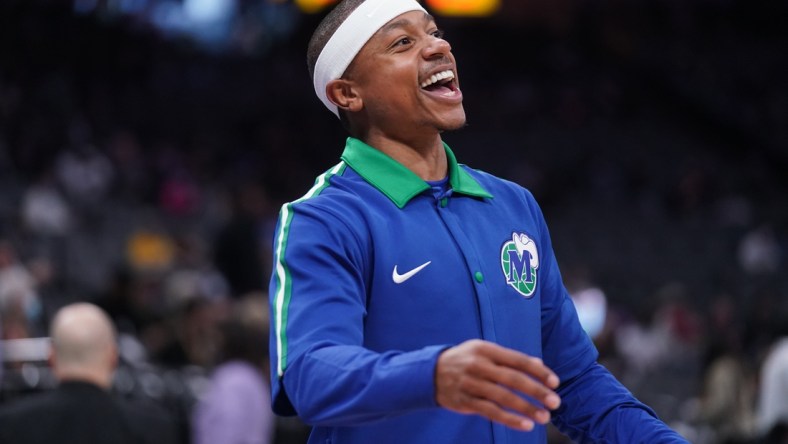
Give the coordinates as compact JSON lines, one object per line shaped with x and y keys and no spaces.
{"x":326,"y":29}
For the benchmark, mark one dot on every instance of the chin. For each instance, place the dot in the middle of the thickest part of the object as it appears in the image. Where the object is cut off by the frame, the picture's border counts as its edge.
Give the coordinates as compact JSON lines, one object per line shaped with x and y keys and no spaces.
{"x":451,"y":127}
{"x":454,"y":122}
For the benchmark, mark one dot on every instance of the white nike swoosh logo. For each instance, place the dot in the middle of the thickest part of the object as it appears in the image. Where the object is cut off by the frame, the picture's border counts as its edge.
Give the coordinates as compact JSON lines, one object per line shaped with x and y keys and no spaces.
{"x":400,"y":278}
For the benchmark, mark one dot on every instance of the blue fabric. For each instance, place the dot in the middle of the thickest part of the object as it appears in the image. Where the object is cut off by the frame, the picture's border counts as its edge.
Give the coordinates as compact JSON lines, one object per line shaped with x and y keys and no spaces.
{"x":440,"y":188}
{"x":361,"y":349}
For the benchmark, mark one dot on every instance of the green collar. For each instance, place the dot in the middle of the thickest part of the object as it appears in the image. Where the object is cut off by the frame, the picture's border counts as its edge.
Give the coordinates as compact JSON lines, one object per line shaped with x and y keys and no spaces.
{"x":396,"y":181}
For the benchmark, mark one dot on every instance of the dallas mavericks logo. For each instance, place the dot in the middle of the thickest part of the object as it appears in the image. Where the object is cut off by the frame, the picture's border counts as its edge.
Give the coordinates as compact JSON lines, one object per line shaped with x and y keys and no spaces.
{"x":519,"y":260}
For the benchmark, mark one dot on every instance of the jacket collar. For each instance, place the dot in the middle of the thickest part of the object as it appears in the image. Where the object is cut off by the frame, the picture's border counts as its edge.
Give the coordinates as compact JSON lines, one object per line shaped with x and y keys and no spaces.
{"x":399,"y":183}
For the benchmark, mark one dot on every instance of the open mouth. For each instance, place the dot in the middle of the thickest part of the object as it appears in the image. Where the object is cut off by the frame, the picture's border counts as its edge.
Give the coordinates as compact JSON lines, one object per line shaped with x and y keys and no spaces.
{"x":442,"y":83}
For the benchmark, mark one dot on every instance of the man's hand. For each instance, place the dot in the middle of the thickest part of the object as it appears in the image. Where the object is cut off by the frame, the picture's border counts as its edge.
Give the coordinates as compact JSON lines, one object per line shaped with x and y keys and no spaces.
{"x":486,"y":379}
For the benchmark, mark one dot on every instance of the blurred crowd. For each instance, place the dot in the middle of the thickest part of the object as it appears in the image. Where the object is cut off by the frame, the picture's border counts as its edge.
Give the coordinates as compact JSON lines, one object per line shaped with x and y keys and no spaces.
{"x":145,"y":175}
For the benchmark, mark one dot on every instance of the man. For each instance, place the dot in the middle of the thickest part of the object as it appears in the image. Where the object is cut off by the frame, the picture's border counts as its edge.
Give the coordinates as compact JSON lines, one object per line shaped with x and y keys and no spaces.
{"x":772,"y":416}
{"x":235,"y":409}
{"x":416,"y":300}
{"x":80,"y":410}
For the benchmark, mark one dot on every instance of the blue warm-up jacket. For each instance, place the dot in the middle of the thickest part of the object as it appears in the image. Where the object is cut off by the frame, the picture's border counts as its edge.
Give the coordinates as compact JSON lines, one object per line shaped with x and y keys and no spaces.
{"x":375,"y":275}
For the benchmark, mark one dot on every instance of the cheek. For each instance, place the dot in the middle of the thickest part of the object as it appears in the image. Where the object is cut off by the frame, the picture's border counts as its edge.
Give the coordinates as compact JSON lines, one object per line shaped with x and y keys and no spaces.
{"x":390,"y":85}
{"x":401,"y":76}
{"x":394,"y":103}
{"x":394,"y":93}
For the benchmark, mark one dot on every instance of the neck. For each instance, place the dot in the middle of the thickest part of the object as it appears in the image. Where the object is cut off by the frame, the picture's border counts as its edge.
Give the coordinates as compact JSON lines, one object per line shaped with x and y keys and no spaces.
{"x":426,"y":157}
{"x":100,"y":378}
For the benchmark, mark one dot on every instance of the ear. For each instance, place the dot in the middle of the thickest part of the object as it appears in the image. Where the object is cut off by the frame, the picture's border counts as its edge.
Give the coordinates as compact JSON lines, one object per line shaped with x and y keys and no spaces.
{"x":113,"y":358}
{"x":51,"y":358}
{"x":343,"y":94}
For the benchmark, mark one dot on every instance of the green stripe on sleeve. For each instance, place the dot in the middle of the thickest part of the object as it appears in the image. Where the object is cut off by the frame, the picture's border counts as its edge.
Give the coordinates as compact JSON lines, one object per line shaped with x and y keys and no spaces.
{"x":284,"y":280}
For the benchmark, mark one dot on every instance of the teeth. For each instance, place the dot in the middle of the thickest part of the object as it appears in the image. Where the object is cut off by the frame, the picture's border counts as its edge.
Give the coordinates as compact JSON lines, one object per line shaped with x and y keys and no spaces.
{"x":448,"y":74}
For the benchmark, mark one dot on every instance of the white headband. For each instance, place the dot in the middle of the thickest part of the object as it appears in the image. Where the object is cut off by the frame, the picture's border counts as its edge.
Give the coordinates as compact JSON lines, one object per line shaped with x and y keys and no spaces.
{"x":351,"y":36}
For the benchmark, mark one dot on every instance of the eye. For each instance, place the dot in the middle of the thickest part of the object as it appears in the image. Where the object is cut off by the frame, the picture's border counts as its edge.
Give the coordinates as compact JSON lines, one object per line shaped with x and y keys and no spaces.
{"x":404,"y":41}
{"x":438,"y":33}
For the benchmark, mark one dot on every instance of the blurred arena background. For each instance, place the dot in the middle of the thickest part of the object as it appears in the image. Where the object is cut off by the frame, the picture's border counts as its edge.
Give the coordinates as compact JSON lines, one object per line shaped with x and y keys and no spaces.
{"x":146,"y":146}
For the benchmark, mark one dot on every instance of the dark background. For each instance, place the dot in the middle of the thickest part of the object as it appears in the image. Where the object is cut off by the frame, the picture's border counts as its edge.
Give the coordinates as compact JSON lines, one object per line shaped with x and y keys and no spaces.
{"x":653,"y":133}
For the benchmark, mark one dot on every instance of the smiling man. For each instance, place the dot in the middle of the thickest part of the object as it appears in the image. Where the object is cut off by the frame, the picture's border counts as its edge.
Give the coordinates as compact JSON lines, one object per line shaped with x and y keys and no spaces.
{"x":416,"y":300}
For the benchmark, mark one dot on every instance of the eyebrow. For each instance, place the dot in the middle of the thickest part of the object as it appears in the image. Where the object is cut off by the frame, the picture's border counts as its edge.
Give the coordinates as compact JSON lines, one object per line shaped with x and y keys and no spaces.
{"x":401,"y":23}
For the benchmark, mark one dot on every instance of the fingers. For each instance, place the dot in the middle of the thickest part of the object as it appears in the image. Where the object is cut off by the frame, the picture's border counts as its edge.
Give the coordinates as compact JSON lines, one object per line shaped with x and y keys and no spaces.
{"x":479,"y":405}
{"x":494,"y":413}
{"x":483,"y":378}
{"x":520,"y":372}
{"x":507,"y":401}
{"x":515,"y":360}
{"x":518,"y":382}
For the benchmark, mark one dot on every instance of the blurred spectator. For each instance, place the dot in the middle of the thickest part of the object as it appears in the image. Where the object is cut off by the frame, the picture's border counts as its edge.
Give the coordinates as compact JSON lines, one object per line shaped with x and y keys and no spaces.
{"x":193,"y":274}
{"x":127,"y":302}
{"x":660,"y":352}
{"x":241,"y":247}
{"x":591,"y":305}
{"x":85,"y":173}
{"x":759,"y":251}
{"x":149,"y":249}
{"x":773,"y":393}
{"x":195,"y":299}
{"x":15,"y":324}
{"x":767,"y":320}
{"x":191,"y":334}
{"x":678,"y":316}
{"x":134,"y":176}
{"x":643,"y":345}
{"x":17,"y":285}
{"x":727,"y":402}
{"x":236,"y":408}
{"x":44,"y":211}
{"x":80,"y":410}
{"x":179,"y":195}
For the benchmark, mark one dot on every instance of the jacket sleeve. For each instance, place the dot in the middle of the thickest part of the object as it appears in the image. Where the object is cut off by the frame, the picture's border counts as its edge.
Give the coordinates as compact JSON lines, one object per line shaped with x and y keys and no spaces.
{"x":595,"y":407}
{"x":320,"y":368}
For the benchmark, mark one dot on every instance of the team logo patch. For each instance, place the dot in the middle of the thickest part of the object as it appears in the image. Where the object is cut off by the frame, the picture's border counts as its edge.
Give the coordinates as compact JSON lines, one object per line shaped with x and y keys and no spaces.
{"x":519,"y":261}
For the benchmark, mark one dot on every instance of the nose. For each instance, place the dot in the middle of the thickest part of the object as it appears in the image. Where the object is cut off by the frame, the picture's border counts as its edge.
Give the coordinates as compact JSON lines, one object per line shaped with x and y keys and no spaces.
{"x":436,"y":47}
